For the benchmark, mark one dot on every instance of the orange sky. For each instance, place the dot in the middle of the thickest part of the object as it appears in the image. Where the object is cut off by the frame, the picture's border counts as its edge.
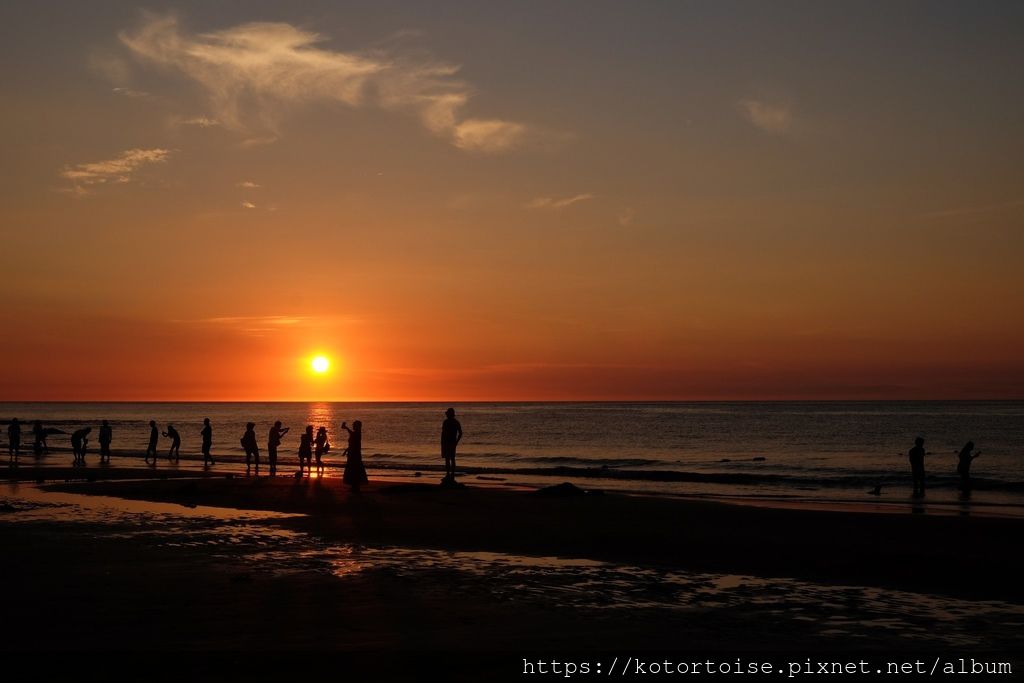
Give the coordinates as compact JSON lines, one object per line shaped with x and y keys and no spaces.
{"x":658,"y":204}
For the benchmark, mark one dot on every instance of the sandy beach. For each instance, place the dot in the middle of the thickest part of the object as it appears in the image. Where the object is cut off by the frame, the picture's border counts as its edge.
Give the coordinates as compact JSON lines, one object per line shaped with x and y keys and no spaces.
{"x":133,"y":563}
{"x":931,"y":553}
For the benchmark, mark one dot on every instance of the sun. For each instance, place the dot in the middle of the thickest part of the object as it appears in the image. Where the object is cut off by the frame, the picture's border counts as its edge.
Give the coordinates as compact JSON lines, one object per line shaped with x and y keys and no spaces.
{"x":321,"y":364}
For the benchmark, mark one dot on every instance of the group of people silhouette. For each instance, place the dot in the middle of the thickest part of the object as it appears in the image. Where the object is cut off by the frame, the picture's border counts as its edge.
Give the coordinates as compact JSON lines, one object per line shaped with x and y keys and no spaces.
{"x":965,"y":457}
{"x":315,"y":446}
{"x":311,"y":446}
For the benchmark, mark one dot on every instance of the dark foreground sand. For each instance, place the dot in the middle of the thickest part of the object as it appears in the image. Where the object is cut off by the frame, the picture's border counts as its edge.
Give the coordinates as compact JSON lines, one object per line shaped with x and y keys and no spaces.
{"x":968,"y":557}
{"x":79,"y":588}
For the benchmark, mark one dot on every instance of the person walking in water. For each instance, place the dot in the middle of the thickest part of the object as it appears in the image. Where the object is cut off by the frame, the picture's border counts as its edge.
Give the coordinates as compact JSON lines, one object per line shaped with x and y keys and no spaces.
{"x":916,"y":455}
{"x":252,"y":449}
{"x":321,"y":447}
{"x":207,"y":434}
{"x":306,"y":449}
{"x":14,"y":440}
{"x":451,"y":434}
{"x":174,"y":452}
{"x":154,"y":438}
{"x":963,"y":467}
{"x":355,"y":471}
{"x":106,"y":436}
{"x":79,"y":442}
{"x":39,"y":439}
{"x":273,"y":441}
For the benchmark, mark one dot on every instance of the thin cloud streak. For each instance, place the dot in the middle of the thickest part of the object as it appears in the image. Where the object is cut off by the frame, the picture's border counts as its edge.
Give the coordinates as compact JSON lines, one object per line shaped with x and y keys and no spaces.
{"x":253,"y":72}
{"x":556,"y":203}
{"x":201,"y":121}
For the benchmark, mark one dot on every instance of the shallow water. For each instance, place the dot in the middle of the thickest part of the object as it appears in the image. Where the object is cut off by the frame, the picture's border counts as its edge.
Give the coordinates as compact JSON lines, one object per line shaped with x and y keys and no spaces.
{"x":262,"y":542}
{"x":809,"y":450}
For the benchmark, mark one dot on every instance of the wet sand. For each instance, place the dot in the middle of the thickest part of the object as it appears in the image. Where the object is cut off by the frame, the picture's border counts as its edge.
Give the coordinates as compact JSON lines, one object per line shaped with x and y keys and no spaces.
{"x":474,"y":579}
{"x":938,"y":554}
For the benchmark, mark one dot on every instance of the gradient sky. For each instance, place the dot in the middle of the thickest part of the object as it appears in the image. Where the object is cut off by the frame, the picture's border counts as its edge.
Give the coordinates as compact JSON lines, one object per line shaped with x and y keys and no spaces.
{"x":528,"y":200}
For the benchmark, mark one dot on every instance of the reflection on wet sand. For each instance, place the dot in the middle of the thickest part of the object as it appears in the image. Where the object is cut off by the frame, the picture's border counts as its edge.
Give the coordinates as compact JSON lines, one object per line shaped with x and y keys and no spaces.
{"x":250,"y":542}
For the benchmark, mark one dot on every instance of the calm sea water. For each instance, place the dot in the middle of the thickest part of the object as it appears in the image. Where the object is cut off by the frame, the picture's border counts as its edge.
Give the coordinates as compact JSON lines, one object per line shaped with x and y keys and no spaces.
{"x":807,"y":450}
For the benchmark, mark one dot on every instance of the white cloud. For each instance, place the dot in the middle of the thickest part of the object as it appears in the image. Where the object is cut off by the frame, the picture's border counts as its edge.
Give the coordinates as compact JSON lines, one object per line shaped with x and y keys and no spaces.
{"x":131,"y":92}
{"x":120,"y":169}
{"x":248,"y":205}
{"x":253,"y":72}
{"x":556,"y":203}
{"x":488,"y":136}
{"x":201,"y":121}
{"x":248,"y":184}
{"x":771,"y":118}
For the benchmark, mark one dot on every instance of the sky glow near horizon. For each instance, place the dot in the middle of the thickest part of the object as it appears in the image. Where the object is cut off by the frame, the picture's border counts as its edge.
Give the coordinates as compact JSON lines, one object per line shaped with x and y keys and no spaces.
{"x":700,"y":200}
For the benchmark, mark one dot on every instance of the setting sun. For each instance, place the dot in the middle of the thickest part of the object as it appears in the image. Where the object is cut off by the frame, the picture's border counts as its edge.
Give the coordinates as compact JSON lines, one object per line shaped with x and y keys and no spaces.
{"x":321,"y":364}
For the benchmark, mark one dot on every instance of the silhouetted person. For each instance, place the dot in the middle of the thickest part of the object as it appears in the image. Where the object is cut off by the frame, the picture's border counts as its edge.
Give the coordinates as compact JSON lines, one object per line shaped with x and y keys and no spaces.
{"x":252,"y":449}
{"x":39,"y":439}
{"x":106,"y":436}
{"x":79,"y":442}
{"x":273,"y":441}
{"x":321,"y":447}
{"x":355,"y":471}
{"x":451,"y":434}
{"x":207,"y":434}
{"x":175,"y":450}
{"x":916,"y":455}
{"x":154,"y":438}
{"x":14,"y":439}
{"x":963,"y":467}
{"x":306,"y":449}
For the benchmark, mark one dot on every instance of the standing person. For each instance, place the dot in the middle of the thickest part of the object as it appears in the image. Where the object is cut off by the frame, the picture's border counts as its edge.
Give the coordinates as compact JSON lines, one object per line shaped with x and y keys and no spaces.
{"x":306,"y":449}
{"x":252,"y":449}
{"x":207,"y":434}
{"x":321,"y":447}
{"x":106,"y":436}
{"x":273,"y":441}
{"x":175,"y":450}
{"x":916,"y":455}
{"x":154,"y":437}
{"x":451,"y":434}
{"x":14,"y":439}
{"x":79,"y":441}
{"x":963,"y":467}
{"x":38,"y":439}
{"x":355,"y":471}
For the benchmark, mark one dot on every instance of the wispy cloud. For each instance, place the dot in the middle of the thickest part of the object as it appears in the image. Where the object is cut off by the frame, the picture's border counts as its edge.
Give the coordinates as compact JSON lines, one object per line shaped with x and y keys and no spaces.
{"x":201,"y":121}
{"x":769,"y":117}
{"x":120,"y":169}
{"x":248,"y":205}
{"x":248,"y":184}
{"x":131,"y":92}
{"x":557,"y":203}
{"x":252,"y":73}
{"x":626,"y":216}
{"x":262,"y":325}
{"x":269,"y":320}
{"x":260,"y":141}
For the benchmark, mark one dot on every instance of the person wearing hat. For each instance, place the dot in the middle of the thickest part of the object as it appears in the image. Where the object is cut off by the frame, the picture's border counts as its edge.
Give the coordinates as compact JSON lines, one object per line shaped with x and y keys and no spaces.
{"x":451,"y":434}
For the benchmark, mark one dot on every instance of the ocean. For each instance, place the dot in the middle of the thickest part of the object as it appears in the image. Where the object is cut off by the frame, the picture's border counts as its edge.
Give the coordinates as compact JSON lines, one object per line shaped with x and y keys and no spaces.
{"x":783,"y":451}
